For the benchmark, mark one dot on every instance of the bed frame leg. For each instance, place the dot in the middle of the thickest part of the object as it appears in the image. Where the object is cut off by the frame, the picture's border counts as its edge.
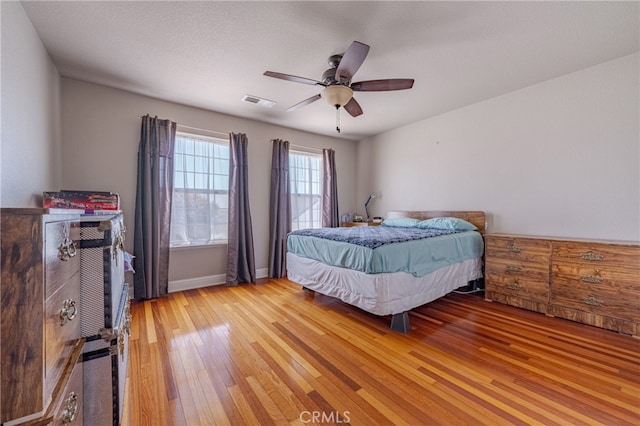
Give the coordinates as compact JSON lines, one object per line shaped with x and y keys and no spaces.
{"x":400,"y":322}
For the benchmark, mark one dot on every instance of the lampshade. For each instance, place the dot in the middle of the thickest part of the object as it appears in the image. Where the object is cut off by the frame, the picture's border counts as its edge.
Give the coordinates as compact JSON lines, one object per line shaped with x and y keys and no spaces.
{"x":337,"y":94}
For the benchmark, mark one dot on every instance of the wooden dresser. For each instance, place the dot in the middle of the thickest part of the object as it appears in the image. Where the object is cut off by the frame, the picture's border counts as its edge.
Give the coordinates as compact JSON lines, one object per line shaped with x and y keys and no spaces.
{"x":40,"y":343}
{"x":592,"y":282}
{"x":517,"y":271}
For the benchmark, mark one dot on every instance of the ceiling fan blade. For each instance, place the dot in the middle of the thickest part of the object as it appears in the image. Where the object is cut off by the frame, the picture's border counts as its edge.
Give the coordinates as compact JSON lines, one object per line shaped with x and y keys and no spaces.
{"x":351,"y":60}
{"x":293,"y":78}
{"x":353,"y":107}
{"x":305,"y":102}
{"x":382,"y":85}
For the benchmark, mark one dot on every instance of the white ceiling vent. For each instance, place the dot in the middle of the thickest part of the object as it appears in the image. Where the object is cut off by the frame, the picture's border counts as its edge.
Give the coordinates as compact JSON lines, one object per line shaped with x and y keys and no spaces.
{"x":266,"y":103}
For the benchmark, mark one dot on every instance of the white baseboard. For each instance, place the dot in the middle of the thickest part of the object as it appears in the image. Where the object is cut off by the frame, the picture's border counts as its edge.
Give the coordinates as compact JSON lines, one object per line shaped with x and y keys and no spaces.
{"x":262,"y":273}
{"x":210,"y":280}
{"x":199,"y":282}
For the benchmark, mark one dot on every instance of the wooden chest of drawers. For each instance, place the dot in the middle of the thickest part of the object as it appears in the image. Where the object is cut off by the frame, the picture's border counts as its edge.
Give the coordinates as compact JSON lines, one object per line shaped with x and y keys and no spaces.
{"x":517,"y":271}
{"x":39,"y":318}
{"x":592,"y":282}
{"x":596,"y":284}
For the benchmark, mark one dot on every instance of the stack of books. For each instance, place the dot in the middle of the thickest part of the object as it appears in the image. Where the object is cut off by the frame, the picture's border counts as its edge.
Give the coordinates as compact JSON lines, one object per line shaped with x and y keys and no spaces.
{"x":90,"y":202}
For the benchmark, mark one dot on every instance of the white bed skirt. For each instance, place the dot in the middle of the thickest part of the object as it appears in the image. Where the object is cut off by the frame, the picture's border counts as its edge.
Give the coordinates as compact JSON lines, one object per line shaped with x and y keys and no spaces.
{"x":381,"y":294}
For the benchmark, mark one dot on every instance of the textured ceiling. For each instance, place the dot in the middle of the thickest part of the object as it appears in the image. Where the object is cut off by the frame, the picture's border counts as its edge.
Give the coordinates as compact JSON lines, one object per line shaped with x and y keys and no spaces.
{"x":210,"y":54}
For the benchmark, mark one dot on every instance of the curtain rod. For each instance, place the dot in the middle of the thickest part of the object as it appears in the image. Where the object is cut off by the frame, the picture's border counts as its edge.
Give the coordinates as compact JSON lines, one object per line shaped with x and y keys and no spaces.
{"x":306,"y":148}
{"x":199,"y":129}
{"x":203,"y":130}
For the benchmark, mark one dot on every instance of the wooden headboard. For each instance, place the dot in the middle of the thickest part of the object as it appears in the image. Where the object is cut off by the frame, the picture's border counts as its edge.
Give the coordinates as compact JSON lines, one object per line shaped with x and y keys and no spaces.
{"x":475,"y":217}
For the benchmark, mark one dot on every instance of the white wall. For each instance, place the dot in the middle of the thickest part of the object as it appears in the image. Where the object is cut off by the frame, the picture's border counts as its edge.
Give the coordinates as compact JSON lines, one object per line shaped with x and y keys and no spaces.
{"x":560,"y":158}
{"x":30,"y":154}
{"x":101,"y":131}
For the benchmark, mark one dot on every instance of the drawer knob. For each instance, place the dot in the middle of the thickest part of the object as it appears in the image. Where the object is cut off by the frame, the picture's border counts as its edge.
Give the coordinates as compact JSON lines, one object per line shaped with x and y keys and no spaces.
{"x":68,"y":311}
{"x":127,"y":317}
{"x":118,"y":244}
{"x":513,"y":286}
{"x":515,"y":249}
{"x":67,"y":250}
{"x":592,"y":301}
{"x":513,"y":268}
{"x":591,"y":256}
{"x":70,"y":408}
{"x":121,"y":342}
{"x":591,"y":279}
{"x":120,"y":336}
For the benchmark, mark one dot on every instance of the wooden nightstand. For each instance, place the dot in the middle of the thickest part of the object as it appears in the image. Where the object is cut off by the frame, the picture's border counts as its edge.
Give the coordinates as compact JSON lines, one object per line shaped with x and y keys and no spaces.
{"x":349,"y":224}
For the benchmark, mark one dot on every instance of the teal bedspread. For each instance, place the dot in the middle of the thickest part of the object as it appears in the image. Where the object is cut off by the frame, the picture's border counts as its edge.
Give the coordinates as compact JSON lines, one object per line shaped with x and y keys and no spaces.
{"x":394,"y":249}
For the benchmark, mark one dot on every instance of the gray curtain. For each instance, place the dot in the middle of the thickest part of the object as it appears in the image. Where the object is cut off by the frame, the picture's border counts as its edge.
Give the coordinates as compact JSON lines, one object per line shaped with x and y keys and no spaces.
{"x":280,"y":209}
{"x":241,"y":264}
{"x":153,"y":207}
{"x":330,"y":215}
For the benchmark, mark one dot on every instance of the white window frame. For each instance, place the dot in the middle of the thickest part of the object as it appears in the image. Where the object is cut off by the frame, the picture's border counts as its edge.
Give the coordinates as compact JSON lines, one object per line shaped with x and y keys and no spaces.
{"x":217,"y":193}
{"x":313,"y":188}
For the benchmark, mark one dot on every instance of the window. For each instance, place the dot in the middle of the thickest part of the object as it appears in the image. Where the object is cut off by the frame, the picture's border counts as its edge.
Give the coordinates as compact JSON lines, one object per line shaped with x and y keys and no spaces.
{"x":305,"y":176}
{"x":199,"y":214}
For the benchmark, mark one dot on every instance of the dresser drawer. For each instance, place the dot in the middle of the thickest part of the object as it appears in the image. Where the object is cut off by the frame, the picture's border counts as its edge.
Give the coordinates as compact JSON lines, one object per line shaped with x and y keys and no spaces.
{"x":596,"y":277}
{"x":598,"y":255}
{"x":605,"y":301}
{"x":517,"y":268}
{"x":62,"y":329}
{"x":522,"y":249}
{"x":518,"y":287}
{"x":596,"y":319}
{"x":69,"y":408}
{"x":62,"y":258}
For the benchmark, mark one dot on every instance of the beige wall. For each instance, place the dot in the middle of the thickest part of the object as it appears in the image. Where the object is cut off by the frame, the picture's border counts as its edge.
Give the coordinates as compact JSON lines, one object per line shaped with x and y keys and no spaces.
{"x":560,"y":158}
{"x":30,"y":160}
{"x":100,"y":129}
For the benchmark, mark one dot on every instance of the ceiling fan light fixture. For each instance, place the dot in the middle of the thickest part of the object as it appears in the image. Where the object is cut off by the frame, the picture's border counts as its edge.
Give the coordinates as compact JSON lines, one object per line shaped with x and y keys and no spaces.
{"x":337,"y":95}
{"x":338,"y":88}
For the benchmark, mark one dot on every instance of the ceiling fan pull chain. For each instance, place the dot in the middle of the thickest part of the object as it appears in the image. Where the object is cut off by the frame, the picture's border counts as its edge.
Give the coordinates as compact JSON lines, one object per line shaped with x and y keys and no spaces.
{"x":338,"y":118}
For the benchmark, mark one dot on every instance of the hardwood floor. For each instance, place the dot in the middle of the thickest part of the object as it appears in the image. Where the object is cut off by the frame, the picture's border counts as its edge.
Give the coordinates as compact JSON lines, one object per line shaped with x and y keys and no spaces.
{"x":276,"y":354}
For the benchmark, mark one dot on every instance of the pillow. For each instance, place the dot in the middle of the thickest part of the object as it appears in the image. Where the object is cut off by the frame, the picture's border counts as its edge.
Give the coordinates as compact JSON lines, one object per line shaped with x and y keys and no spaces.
{"x":401,"y":222}
{"x":452,"y":223}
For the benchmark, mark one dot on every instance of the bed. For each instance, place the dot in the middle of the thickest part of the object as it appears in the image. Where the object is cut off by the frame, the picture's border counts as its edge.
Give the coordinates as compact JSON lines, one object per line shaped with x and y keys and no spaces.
{"x":430,"y":254}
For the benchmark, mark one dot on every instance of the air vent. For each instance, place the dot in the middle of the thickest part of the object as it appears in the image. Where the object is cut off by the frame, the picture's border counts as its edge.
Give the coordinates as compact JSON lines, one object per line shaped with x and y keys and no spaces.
{"x":266,"y":103}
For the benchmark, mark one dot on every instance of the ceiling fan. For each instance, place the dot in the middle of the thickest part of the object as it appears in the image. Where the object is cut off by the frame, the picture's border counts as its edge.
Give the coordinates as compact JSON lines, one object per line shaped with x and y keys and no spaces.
{"x":338,"y":88}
